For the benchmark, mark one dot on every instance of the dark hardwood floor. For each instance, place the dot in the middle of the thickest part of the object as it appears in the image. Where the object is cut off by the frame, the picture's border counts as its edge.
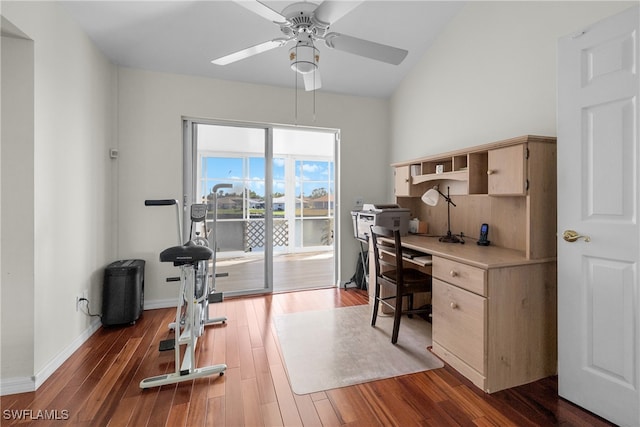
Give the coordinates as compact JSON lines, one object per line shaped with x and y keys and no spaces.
{"x":99,"y":384}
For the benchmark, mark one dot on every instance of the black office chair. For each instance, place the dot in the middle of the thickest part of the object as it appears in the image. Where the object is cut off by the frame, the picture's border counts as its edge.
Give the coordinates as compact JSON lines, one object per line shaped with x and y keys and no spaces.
{"x":403,"y":281}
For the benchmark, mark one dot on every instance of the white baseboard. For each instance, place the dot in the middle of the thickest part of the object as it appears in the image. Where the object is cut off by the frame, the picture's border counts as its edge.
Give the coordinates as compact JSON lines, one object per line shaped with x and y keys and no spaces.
{"x":27,"y":384}
{"x":17,"y":385}
{"x":160,"y":303}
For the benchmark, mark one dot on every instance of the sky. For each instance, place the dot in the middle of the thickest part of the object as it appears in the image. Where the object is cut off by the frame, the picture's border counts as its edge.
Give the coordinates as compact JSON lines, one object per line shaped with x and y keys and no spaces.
{"x":310,"y":174}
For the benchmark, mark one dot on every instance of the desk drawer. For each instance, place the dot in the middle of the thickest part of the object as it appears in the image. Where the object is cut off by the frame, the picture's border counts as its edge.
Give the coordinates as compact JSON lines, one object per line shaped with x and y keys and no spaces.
{"x":459,"y":323}
{"x":470,"y":278}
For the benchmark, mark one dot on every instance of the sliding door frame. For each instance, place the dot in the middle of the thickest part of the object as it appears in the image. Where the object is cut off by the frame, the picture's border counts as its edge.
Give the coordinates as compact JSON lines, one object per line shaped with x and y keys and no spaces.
{"x":190,"y":154}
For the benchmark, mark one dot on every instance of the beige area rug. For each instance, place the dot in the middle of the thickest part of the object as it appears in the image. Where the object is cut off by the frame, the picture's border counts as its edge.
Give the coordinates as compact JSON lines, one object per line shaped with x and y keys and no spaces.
{"x":334,"y":348}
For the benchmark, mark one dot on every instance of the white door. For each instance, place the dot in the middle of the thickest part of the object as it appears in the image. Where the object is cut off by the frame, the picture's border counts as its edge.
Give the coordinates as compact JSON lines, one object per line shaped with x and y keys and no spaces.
{"x":598,"y":195}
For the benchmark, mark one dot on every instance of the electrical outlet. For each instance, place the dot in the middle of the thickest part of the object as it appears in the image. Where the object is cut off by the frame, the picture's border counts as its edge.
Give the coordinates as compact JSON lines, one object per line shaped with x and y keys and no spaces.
{"x":84,"y":295}
{"x":359,"y":202}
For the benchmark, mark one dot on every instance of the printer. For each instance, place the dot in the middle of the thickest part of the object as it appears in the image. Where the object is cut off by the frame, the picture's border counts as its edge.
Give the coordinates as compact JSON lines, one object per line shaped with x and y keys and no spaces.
{"x":389,"y":216}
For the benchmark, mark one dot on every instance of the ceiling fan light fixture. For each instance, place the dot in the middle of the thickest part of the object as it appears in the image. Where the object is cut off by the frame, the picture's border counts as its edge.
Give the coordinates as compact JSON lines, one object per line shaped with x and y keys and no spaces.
{"x":306,"y":22}
{"x":304,"y":58}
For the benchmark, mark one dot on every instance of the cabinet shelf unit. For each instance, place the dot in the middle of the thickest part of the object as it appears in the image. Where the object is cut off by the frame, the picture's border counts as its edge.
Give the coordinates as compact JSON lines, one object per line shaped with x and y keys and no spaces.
{"x":494,"y":307}
{"x":498,"y":169}
{"x":509,"y":185}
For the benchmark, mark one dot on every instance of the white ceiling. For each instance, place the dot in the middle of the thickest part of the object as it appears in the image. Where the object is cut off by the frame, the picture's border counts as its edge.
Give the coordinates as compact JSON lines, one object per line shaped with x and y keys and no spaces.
{"x":184,"y":36}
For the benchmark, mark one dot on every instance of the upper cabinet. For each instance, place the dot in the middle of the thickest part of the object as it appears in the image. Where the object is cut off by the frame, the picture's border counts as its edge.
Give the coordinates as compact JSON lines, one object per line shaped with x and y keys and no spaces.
{"x":497,"y":169}
{"x":506,"y":170}
{"x":402,"y":182}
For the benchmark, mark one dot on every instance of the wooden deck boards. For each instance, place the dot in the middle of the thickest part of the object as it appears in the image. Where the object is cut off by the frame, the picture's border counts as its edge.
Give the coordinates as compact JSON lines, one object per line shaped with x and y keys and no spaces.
{"x":290,"y":272}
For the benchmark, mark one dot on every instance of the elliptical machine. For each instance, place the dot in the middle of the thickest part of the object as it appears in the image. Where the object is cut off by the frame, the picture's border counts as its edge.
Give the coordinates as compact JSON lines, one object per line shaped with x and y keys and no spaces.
{"x":192,"y":312}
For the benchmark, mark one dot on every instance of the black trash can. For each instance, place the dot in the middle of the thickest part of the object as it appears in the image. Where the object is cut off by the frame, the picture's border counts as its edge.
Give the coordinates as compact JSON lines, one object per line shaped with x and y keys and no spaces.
{"x":123,"y":292}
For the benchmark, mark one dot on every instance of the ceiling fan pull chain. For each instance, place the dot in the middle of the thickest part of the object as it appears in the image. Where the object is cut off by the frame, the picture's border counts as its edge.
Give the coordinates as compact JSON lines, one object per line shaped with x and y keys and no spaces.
{"x":295,"y":120}
{"x":314,"y":98}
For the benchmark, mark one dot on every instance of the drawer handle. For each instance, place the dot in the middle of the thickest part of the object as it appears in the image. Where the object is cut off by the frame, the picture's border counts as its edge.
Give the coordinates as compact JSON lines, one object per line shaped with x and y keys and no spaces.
{"x":453,"y":305}
{"x":453,"y":273}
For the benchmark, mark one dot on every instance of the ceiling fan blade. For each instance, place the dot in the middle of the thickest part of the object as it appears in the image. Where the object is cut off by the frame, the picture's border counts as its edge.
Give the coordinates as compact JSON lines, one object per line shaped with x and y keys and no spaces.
{"x":250,"y":51}
{"x":330,"y":11}
{"x":262,"y":9}
{"x":312,"y":80}
{"x":366,"y":48}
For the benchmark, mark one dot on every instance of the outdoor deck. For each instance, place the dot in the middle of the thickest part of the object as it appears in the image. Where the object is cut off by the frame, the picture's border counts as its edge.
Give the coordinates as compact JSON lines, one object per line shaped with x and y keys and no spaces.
{"x":290,"y":272}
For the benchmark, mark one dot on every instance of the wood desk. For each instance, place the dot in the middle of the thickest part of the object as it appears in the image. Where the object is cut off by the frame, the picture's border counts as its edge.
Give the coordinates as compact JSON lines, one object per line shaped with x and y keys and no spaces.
{"x":494,"y":312}
{"x":469,"y":253}
{"x":494,"y":308}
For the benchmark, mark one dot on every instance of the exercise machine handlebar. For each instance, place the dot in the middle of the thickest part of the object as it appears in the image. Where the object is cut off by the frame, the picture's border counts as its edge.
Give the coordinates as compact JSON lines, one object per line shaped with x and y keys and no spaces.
{"x":169,"y":202}
{"x":216,"y":187}
{"x":163,"y":202}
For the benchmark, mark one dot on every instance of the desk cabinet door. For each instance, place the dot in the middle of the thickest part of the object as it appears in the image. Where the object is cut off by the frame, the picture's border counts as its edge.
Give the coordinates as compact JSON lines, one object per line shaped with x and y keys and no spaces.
{"x":459,"y":323}
{"x":402,"y":181}
{"x":506,"y":170}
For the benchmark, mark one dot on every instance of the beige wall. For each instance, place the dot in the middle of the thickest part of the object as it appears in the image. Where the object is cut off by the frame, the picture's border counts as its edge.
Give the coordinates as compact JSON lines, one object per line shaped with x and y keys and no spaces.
{"x":490,"y":75}
{"x":64,"y":233}
{"x":17,"y":232}
{"x":150,"y":108}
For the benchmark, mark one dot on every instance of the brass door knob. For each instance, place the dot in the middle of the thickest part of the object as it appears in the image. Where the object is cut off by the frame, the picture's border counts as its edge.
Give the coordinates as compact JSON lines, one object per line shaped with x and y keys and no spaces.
{"x":572,"y":235}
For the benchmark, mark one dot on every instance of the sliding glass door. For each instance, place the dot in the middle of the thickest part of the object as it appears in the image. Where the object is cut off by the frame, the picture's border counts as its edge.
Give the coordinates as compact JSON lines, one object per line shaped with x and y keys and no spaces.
{"x":270,"y":193}
{"x":231,"y":177}
{"x":304,"y":200}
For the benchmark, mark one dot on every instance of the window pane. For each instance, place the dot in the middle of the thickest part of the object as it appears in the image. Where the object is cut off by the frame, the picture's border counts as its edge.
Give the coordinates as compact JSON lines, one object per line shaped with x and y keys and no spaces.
{"x":279,"y":188}
{"x":229,"y":204}
{"x":255,"y":187}
{"x":222,"y":167}
{"x":256,"y":168}
{"x":316,"y":201}
{"x":278,"y":169}
{"x":314,"y":183}
{"x":314,"y":171}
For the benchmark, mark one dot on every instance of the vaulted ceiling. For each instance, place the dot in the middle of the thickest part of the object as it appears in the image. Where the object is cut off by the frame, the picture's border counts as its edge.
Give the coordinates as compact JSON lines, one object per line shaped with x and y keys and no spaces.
{"x":184,"y":36}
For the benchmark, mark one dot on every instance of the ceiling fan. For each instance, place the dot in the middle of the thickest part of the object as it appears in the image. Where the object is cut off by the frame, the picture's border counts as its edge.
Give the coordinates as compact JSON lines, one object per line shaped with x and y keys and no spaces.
{"x":305,"y":23}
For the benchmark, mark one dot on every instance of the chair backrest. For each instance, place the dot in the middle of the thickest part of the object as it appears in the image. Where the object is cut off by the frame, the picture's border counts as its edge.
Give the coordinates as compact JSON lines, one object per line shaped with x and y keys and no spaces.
{"x":377,"y":234}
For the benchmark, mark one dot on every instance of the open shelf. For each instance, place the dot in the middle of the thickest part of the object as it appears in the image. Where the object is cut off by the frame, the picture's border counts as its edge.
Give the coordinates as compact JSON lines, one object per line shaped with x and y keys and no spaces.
{"x":462,"y":175}
{"x":470,"y":167}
